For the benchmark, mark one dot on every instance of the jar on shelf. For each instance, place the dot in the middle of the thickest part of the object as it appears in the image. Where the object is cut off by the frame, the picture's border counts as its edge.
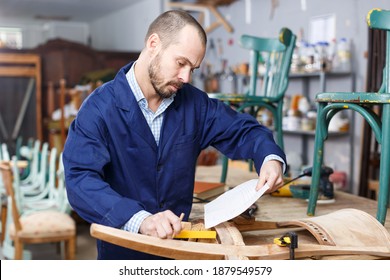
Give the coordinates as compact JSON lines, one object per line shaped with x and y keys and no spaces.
{"x":344,"y":55}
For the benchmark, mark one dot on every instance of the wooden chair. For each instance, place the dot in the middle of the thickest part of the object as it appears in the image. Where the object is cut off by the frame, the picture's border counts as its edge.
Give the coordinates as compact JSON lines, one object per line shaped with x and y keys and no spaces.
{"x":61,"y":99}
{"x":39,"y":227}
{"x":330,"y":103}
{"x":345,"y":232}
{"x":52,"y":196}
{"x":4,"y":156}
{"x":266,"y":89}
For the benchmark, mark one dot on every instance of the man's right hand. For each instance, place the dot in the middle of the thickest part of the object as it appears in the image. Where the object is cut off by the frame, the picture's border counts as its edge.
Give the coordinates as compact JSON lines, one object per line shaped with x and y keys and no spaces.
{"x":163,"y":225}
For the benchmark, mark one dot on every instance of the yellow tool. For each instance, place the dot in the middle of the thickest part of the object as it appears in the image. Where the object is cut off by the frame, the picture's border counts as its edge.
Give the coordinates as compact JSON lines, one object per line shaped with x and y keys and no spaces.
{"x":282,"y":241}
{"x":207,"y":234}
{"x":283,"y":191}
{"x":190,"y":231}
{"x":290,"y":240}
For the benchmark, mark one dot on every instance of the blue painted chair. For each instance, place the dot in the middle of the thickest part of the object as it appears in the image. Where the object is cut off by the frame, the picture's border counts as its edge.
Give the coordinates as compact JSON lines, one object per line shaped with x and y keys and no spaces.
{"x":330,"y":103}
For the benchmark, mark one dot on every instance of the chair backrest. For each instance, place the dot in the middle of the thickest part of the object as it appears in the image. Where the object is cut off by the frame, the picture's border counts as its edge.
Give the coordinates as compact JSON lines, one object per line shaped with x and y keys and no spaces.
{"x":4,"y":152}
{"x":61,"y":189}
{"x":380,"y":19}
{"x":270,"y":61}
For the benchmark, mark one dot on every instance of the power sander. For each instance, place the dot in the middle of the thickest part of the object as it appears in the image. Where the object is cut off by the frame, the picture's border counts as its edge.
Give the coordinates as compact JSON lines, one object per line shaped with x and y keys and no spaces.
{"x":326,"y":186}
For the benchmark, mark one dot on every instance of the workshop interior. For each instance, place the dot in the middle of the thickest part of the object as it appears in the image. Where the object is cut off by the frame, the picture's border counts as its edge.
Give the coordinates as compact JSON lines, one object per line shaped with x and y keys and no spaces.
{"x":315,"y":73}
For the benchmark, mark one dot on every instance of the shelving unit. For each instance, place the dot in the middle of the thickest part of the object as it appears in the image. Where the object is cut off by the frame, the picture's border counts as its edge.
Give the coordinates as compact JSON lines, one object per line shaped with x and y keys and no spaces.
{"x":310,"y":94}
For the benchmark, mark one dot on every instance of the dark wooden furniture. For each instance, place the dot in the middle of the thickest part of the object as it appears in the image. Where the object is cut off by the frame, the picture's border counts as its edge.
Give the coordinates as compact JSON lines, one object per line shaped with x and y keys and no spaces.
{"x":60,"y":60}
{"x":71,"y":61}
{"x":370,"y":150}
{"x":25,"y":69}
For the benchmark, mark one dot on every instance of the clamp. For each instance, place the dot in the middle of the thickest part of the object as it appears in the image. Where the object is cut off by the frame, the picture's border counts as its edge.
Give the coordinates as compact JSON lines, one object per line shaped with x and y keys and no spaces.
{"x":290,"y":240}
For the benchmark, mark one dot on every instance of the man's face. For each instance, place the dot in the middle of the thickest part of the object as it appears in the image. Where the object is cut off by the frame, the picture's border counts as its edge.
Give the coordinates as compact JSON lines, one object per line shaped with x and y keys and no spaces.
{"x":173,"y":66}
{"x":164,"y":88}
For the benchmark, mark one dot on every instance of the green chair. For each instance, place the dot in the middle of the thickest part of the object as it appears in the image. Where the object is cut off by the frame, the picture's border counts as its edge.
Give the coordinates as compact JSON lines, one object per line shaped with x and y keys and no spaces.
{"x":330,"y":103}
{"x":269,"y":68}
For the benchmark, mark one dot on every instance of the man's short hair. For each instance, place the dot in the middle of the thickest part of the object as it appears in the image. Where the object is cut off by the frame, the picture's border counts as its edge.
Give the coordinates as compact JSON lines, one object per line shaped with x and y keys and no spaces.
{"x":169,"y":23}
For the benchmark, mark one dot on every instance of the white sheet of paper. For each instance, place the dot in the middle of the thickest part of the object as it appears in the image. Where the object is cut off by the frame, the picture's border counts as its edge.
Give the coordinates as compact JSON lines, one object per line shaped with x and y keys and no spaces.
{"x":232,"y":203}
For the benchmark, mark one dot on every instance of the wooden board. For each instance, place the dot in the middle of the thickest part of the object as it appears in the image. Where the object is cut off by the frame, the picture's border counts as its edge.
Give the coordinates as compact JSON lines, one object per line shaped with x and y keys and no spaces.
{"x":206,"y":190}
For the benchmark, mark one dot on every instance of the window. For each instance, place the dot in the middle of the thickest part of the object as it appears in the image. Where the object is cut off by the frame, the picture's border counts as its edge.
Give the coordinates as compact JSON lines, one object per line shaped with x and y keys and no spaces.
{"x":10,"y":37}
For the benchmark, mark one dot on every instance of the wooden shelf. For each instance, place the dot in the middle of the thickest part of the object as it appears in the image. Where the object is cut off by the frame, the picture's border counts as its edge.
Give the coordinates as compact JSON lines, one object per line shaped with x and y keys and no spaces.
{"x":23,"y":65}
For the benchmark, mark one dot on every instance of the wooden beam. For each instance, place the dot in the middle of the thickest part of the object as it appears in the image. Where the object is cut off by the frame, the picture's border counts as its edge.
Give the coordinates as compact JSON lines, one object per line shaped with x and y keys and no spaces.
{"x":205,"y":8}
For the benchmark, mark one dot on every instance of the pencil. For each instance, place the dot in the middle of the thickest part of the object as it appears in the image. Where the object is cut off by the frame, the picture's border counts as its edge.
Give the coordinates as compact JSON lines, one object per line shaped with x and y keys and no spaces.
{"x":181,"y":219}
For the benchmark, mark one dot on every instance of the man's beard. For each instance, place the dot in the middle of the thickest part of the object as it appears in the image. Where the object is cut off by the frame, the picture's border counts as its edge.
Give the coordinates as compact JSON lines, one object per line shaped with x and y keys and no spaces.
{"x":161,"y":88}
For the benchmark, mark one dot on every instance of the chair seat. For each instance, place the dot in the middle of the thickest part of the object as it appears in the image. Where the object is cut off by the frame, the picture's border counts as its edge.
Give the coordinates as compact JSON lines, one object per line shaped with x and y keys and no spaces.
{"x":46,"y":224}
{"x":235,"y":97}
{"x":354,"y":97}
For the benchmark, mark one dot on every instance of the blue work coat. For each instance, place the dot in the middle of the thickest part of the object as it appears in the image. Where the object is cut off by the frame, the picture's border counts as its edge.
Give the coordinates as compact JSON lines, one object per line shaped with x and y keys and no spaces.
{"x":114,"y":168}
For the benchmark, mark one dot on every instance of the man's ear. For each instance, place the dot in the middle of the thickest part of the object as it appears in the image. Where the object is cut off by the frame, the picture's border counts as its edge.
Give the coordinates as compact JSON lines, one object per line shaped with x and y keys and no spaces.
{"x":153,"y":43}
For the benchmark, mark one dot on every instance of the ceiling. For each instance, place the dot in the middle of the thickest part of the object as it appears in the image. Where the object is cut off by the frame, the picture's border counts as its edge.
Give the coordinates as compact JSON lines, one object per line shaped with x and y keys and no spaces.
{"x":72,"y":10}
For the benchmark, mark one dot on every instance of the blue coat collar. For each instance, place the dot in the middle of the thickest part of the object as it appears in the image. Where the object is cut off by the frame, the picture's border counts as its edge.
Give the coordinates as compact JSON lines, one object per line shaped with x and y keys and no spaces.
{"x":125,"y":100}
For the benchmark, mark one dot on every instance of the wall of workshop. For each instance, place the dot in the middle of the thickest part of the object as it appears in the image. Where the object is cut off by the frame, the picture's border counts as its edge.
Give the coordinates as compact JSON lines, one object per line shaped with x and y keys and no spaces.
{"x":262,"y":20}
{"x":125,"y":31}
{"x":37,"y":32}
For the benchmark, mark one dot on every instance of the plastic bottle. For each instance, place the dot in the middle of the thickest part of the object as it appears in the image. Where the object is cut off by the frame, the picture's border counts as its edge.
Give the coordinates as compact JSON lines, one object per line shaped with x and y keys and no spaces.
{"x":321,"y":59}
{"x":344,"y":55}
{"x":303,"y":54}
{"x":332,"y":55}
{"x":296,"y":59}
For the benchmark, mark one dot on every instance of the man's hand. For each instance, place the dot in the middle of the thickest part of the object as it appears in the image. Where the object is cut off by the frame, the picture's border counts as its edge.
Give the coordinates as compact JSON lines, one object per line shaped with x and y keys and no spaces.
{"x":271,"y":173}
{"x":163,"y":225}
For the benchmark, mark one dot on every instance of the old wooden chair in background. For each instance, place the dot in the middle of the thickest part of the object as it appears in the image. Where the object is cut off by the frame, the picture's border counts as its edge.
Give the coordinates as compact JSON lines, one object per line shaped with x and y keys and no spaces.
{"x":38,"y":227}
{"x":268,"y":86}
{"x":330,"y":103}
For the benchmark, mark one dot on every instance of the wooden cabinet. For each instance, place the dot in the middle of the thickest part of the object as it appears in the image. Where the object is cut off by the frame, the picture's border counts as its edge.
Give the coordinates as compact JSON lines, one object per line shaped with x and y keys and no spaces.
{"x":71,"y":61}
{"x":60,"y":59}
{"x":20,"y":73}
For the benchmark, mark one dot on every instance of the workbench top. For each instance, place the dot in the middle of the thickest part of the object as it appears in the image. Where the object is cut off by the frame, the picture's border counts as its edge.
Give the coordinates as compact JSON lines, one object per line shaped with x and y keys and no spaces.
{"x":273,"y":208}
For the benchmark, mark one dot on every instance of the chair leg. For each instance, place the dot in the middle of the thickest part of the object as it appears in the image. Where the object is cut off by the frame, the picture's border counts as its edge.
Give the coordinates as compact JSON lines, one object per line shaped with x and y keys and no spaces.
{"x":225,"y":163}
{"x":279,"y":126}
{"x":3,"y":222}
{"x":317,"y":163}
{"x":18,"y":249}
{"x":70,"y":248}
{"x":384,"y":176}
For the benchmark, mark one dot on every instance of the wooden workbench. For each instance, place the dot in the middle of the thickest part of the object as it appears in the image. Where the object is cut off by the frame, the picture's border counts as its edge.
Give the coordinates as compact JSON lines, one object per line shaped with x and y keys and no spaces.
{"x":272,"y":208}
